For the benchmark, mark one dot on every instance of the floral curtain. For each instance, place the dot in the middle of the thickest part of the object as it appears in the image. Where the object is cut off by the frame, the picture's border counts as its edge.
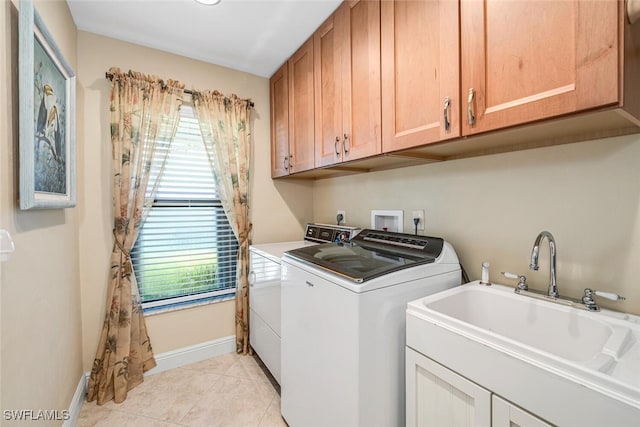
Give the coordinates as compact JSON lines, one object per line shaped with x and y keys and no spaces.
{"x":144,"y":119}
{"x":226,"y":131}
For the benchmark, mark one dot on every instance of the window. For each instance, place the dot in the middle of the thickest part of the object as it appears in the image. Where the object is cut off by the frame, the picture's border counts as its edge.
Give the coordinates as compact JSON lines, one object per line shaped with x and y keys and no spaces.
{"x":186,"y":249}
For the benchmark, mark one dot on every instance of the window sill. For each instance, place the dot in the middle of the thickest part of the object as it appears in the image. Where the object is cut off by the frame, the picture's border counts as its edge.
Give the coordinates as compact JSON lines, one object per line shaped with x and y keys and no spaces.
{"x":176,"y":306}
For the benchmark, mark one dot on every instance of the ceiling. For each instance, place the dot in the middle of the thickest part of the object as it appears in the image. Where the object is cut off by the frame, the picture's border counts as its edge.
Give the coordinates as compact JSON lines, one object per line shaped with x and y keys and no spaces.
{"x":255,"y":36}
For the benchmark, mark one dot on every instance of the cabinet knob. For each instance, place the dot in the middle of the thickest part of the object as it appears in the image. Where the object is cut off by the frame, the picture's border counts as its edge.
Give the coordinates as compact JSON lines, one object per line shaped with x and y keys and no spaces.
{"x":345,"y":144}
{"x":447,"y":124}
{"x":471,"y":117}
{"x":335,"y":146}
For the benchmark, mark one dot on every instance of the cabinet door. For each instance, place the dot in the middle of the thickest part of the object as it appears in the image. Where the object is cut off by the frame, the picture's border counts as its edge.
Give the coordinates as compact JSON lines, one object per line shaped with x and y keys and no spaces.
{"x":347,"y":83}
{"x":505,"y":414}
{"x":279,"y":94}
{"x":327,"y":46}
{"x":529,"y":60}
{"x":437,"y":396}
{"x":420,"y":70}
{"x":301,"y":108}
{"x":361,"y":103}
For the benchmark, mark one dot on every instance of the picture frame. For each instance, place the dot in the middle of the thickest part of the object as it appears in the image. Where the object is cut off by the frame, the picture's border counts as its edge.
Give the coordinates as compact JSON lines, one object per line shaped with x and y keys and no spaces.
{"x":47,"y":102}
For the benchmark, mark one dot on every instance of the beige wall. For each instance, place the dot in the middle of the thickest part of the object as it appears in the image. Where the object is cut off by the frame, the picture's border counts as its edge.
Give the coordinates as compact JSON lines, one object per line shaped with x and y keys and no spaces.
{"x":492,"y":208}
{"x":40,"y":294}
{"x":278,"y":210}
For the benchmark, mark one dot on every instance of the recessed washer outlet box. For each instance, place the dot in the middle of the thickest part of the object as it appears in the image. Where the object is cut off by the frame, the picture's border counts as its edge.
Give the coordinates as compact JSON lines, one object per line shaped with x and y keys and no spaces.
{"x":388,"y":220}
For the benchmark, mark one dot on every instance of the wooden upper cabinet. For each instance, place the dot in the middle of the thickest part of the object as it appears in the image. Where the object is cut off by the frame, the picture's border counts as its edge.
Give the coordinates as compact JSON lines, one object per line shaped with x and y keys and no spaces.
{"x":361,"y":103}
{"x":301,"y":109}
{"x":420,"y":72}
{"x":279,"y":101}
{"x":531,"y":60}
{"x":292,"y":114}
{"x":328,"y":100}
{"x":347,"y":84}
{"x":403,"y":76}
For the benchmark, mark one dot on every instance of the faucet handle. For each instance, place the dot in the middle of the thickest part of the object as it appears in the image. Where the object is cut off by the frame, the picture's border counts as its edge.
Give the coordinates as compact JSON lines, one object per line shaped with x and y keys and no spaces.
{"x":607,"y":295}
{"x":610,"y":295}
{"x":590,"y":302}
{"x":522,"y":280}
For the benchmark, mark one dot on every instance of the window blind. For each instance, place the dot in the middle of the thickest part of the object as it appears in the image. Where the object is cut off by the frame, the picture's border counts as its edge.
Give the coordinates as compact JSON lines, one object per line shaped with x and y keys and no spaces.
{"x":186,"y":249}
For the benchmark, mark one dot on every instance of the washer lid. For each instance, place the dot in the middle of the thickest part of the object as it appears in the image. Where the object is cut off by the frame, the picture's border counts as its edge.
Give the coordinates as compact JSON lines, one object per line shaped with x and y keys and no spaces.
{"x":371,"y":254}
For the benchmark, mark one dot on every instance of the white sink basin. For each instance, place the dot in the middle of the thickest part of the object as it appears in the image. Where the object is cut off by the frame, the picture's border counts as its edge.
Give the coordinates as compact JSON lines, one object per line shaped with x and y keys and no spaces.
{"x":524,"y":349}
{"x":556,"y":329}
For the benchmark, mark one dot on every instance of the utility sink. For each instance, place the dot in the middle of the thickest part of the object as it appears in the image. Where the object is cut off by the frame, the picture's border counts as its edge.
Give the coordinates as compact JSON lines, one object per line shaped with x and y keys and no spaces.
{"x":558,"y":330}
{"x":524,"y":348}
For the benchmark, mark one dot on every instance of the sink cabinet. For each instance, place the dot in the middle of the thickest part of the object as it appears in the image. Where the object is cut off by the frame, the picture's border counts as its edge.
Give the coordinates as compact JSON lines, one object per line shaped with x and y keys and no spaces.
{"x":437,"y":396}
{"x":292,"y":114}
{"x":506,"y":414}
{"x":559,"y":363}
{"x":347,"y":84}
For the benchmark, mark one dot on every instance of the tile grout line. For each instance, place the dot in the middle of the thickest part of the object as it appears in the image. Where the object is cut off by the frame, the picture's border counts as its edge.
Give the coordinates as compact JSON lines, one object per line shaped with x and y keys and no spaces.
{"x":195,"y":402}
{"x":266,"y":411}
{"x":179,"y":422}
{"x":138,"y":415}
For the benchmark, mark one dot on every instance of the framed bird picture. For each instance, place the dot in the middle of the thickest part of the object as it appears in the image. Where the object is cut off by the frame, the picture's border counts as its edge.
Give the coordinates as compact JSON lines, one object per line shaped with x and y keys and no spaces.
{"x":47,"y":96}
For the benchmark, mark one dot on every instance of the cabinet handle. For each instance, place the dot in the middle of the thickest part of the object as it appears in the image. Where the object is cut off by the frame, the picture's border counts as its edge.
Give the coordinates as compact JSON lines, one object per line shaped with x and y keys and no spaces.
{"x":471,"y":117}
{"x":345,"y":144}
{"x":290,"y":162}
{"x":335,"y":145}
{"x":284,"y":163}
{"x":447,"y":124}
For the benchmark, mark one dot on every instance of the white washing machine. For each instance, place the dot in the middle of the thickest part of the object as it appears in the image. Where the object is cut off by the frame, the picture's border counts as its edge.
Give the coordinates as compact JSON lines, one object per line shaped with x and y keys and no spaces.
{"x":264,"y":289}
{"x":343,"y":325}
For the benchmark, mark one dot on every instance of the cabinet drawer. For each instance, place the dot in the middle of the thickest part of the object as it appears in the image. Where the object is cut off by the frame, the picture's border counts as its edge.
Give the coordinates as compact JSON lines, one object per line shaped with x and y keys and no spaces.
{"x":266,"y":343}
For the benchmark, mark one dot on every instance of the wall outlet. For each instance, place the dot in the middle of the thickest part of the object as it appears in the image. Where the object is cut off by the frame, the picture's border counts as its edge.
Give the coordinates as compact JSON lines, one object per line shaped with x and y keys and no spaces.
{"x":343,"y":221}
{"x":420,"y":215}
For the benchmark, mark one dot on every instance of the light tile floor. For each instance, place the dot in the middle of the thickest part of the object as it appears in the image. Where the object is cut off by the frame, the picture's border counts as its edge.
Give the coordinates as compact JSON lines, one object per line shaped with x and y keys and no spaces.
{"x":228,"y":390}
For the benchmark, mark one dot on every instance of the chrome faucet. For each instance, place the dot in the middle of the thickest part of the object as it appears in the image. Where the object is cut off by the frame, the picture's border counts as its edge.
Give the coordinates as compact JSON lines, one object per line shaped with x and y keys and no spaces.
{"x":586,"y":303}
{"x":553,"y":287}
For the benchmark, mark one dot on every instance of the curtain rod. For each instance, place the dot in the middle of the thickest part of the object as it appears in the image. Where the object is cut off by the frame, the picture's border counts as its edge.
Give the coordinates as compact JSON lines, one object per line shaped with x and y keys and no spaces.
{"x":109,"y":76}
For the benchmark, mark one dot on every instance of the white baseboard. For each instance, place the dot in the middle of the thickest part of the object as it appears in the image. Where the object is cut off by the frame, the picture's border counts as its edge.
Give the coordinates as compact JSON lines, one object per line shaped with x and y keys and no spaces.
{"x":165,"y":361}
{"x":76,"y":401}
{"x":194,"y":353}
